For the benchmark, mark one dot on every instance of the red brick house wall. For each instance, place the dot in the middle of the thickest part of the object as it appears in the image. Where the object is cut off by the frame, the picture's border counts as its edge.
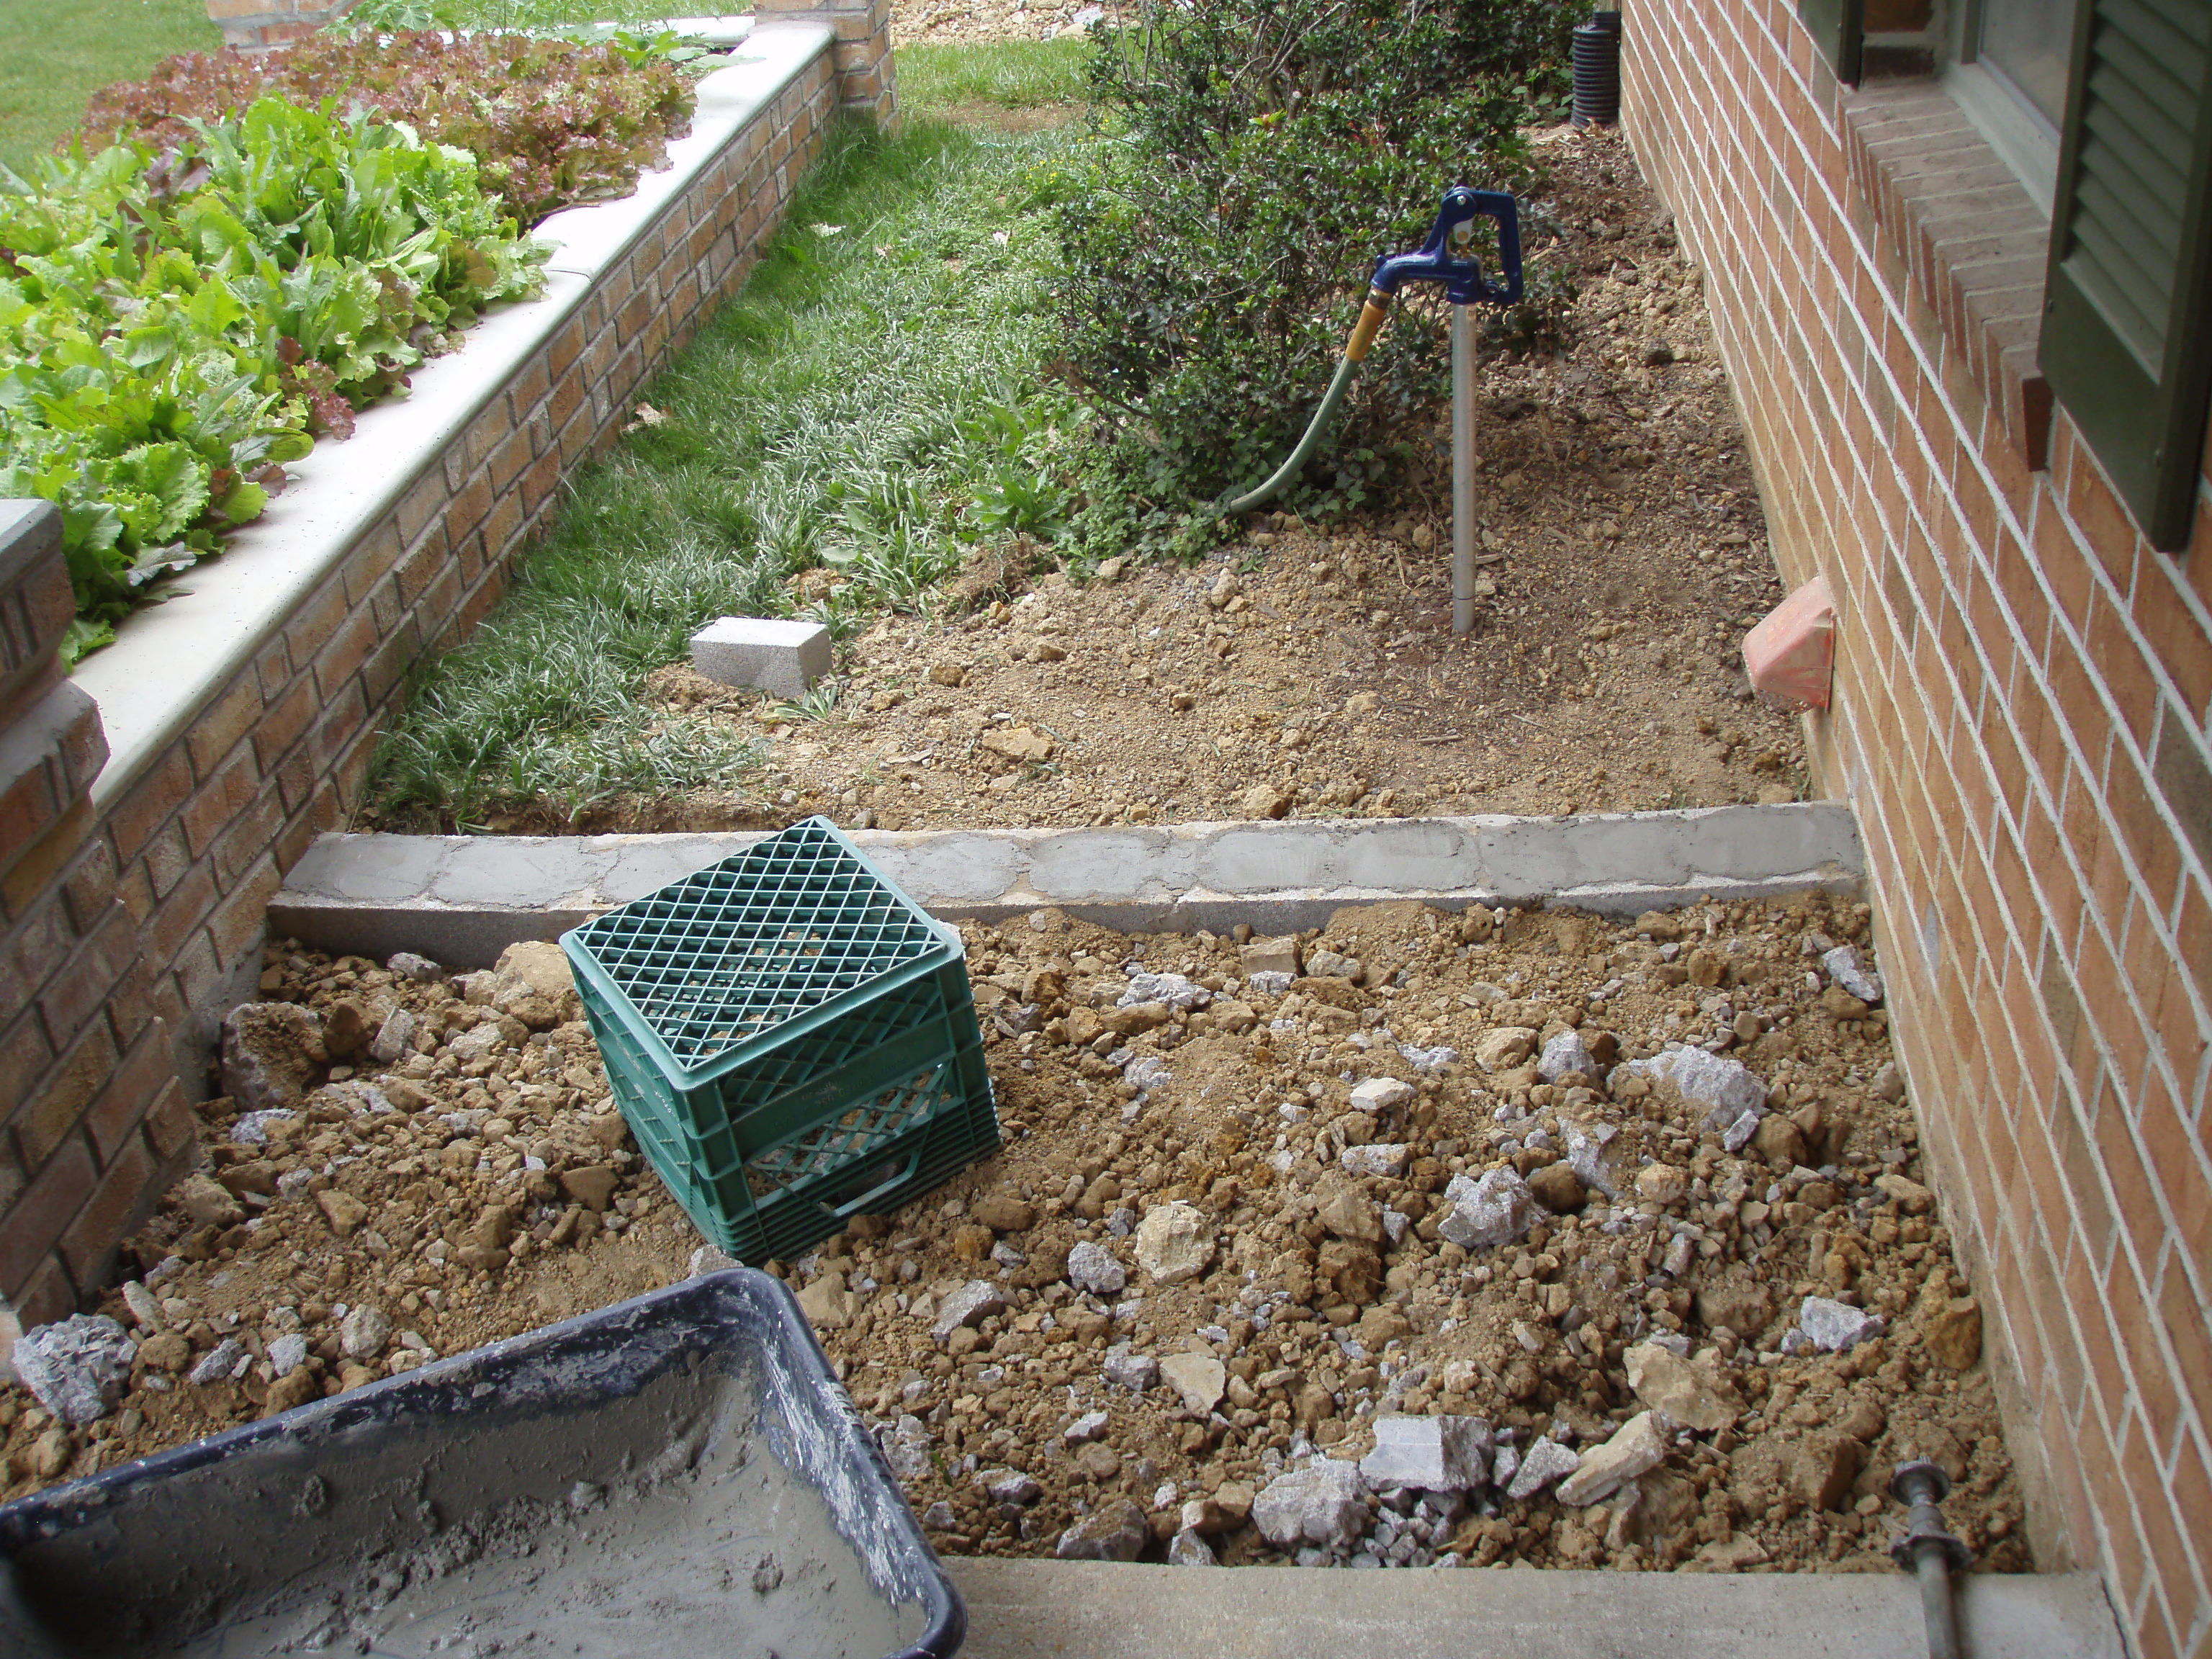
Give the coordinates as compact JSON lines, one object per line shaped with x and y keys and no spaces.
{"x":2020,"y":718}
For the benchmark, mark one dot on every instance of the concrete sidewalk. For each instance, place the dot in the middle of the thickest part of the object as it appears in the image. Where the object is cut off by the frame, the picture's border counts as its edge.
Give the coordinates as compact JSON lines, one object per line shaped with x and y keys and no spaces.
{"x":1091,"y":1610}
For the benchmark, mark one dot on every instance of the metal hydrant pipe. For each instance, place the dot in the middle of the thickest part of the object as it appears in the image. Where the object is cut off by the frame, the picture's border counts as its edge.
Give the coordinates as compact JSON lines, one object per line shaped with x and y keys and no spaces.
{"x":1929,"y":1554}
{"x":1463,"y":373}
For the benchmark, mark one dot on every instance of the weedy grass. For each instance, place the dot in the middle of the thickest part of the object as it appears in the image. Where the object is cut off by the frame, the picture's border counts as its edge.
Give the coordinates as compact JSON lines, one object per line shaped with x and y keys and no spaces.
{"x":55,"y":54}
{"x":1012,"y":73}
{"x":872,"y":401}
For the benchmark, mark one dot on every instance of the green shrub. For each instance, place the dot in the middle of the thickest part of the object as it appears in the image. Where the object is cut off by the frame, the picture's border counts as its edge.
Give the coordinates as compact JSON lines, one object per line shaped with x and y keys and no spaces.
{"x":1256,"y":157}
{"x":550,"y":122}
{"x":172,"y":329}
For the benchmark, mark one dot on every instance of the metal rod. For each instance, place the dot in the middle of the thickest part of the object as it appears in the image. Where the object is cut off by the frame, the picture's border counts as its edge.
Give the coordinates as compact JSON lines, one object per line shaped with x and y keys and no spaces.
{"x":1933,"y":1568}
{"x":1462,"y":371}
{"x":1929,"y":1554}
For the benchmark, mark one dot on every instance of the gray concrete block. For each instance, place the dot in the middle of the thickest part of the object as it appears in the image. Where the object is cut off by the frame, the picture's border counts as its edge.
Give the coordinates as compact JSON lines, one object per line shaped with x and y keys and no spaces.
{"x":462,"y":899}
{"x":781,"y":658}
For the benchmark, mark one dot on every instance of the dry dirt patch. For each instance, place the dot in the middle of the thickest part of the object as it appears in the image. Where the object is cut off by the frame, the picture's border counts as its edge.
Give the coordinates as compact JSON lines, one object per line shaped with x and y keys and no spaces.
{"x":478,"y":1186}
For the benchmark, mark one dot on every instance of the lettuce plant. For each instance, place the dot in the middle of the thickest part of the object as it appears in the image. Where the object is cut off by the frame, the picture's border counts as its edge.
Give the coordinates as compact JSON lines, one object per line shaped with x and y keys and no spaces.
{"x":175,"y":327}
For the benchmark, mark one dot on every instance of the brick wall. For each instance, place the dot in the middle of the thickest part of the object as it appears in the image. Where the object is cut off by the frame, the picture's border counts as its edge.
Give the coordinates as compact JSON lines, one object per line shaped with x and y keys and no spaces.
{"x":124,"y":933}
{"x":255,"y":25}
{"x":2021,"y":696}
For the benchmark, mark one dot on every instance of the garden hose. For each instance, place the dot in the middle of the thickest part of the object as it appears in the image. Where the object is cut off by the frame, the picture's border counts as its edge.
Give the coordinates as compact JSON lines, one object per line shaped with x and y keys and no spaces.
{"x":1445,"y":258}
{"x":1362,"y":336}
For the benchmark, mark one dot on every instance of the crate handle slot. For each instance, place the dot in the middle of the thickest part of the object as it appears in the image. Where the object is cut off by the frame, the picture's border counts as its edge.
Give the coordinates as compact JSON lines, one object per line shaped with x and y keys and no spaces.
{"x":853,"y":1206}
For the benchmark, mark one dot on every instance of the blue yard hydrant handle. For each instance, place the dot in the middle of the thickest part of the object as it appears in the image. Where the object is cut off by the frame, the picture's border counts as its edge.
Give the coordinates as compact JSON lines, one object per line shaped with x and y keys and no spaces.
{"x":1445,"y":257}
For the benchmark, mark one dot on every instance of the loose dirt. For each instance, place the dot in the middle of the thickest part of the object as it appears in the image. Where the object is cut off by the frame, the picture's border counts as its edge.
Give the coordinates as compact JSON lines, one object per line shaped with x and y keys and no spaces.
{"x":1314,"y":673}
{"x":482,"y":1186}
{"x":913,"y":20}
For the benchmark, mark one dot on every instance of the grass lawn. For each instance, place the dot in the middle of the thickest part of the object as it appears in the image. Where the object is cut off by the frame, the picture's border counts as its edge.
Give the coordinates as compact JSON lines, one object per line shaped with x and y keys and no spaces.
{"x":55,"y":54}
{"x":874,"y":400}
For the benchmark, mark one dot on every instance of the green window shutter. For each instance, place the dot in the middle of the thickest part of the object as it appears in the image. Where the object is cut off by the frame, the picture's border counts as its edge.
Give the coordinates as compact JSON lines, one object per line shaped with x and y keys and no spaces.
{"x":1836,"y":27}
{"x":2127,"y":316}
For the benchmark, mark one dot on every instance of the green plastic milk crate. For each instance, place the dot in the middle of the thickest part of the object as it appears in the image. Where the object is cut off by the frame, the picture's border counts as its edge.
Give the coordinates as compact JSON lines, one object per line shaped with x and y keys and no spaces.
{"x":792,"y":1039}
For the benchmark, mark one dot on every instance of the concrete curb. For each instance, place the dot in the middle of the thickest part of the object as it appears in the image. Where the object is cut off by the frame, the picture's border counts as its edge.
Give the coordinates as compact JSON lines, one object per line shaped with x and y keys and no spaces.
{"x":1058,"y":1609}
{"x":462,"y":899}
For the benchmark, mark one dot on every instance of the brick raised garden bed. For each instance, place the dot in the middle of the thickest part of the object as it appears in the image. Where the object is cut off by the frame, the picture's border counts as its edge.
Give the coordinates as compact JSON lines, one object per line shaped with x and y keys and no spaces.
{"x":236,"y":720}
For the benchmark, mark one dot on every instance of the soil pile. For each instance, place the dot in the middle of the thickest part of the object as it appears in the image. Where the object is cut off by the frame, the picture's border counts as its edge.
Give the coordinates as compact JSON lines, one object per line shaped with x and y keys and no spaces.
{"x":1543,"y":1169}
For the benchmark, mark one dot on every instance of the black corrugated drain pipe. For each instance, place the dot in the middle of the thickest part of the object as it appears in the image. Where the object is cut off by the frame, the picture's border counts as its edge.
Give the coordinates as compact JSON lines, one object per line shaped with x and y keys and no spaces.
{"x":1929,"y":1554}
{"x":1597,"y":70}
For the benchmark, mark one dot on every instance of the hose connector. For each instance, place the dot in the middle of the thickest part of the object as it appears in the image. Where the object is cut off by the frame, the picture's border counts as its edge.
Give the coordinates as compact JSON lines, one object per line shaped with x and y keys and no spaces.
{"x":1921,"y":1486}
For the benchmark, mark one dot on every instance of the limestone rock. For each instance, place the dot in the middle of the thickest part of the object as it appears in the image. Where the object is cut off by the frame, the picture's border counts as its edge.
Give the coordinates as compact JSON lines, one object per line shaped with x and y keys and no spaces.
{"x":76,"y":1366}
{"x":395,"y":1038}
{"x":1837,"y":1327}
{"x":1499,"y":1209}
{"x":970,"y":1304}
{"x":1199,"y":1378}
{"x":1270,"y":956}
{"x":405,"y":965}
{"x":1637,"y":1445}
{"x":1852,"y":975}
{"x":1322,"y":1504}
{"x":1187,"y":1549}
{"x":1564,"y":1054}
{"x":1381,"y":1159}
{"x":1504,"y":1046}
{"x":1114,"y":1532}
{"x":1135,"y":1372}
{"x":1175,"y":1242}
{"x":1680,"y":1389}
{"x":1542,"y":1463}
{"x":364,"y":1332}
{"x":826,"y":1303}
{"x":1731,"y":1093}
{"x":1379,"y":1095}
{"x":272,"y":1052}
{"x":1434,"y":1454}
{"x":1091,"y":1267}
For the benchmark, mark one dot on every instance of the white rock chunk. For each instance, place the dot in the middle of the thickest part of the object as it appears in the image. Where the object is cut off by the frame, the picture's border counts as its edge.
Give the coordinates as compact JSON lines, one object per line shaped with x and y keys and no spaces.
{"x":1091,"y":1267}
{"x":1638,"y":1446}
{"x":1380,"y":1094}
{"x":1837,"y":1327}
{"x":973,"y":1302}
{"x":1733,"y":1094}
{"x":1434,"y":1454}
{"x":76,"y":1366}
{"x":1853,"y":975}
{"x":1175,"y":1242}
{"x":1544,"y":1462}
{"x":1199,"y":1378}
{"x":1499,"y":1209}
{"x":1324,"y":1503}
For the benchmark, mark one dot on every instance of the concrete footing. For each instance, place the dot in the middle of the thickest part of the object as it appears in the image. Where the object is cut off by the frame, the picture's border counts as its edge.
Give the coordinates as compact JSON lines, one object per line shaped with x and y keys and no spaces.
{"x":463,"y":899}
{"x":1085,"y":1610}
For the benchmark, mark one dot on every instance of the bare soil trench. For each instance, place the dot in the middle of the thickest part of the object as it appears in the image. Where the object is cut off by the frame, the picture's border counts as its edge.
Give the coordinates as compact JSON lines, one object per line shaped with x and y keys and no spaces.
{"x":1228,"y":1235}
{"x":1314,"y":673}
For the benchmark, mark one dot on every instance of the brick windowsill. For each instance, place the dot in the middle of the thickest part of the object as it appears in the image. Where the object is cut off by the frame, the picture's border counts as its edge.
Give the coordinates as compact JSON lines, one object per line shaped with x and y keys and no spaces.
{"x":1972,"y":241}
{"x":169,"y":661}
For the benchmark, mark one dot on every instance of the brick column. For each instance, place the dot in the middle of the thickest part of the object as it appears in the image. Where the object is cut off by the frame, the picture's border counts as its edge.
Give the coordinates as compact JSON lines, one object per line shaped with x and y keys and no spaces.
{"x":95,"y":1122}
{"x":866,"y":83}
{"x":257,"y":25}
